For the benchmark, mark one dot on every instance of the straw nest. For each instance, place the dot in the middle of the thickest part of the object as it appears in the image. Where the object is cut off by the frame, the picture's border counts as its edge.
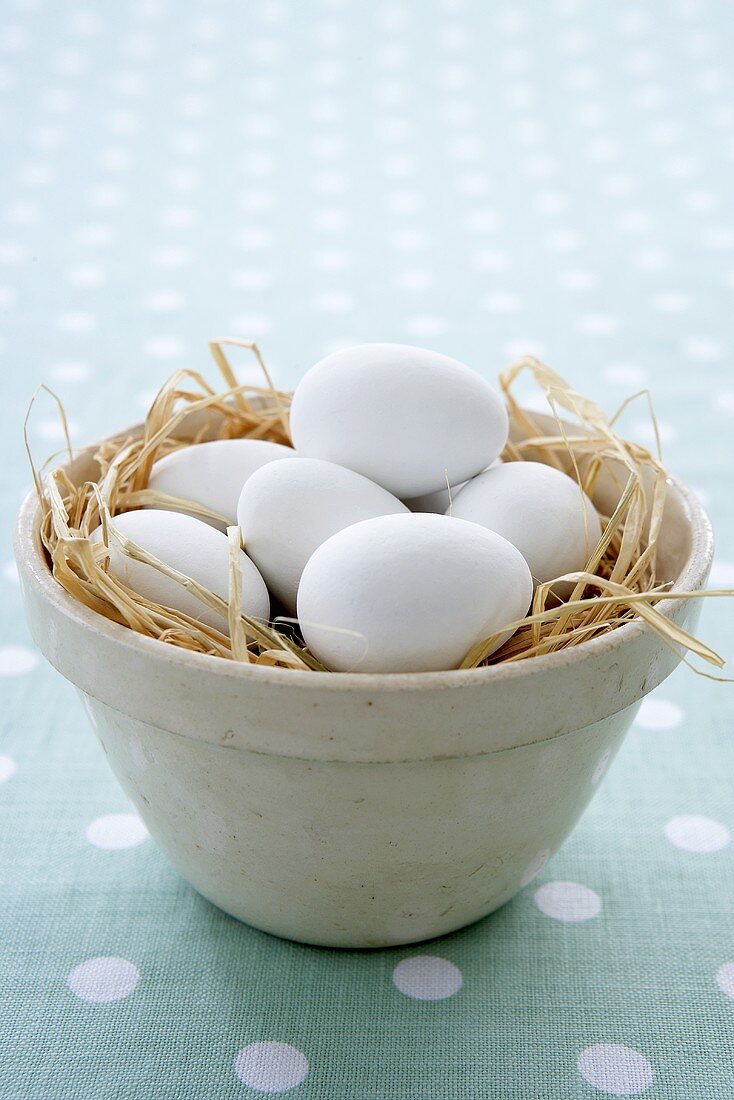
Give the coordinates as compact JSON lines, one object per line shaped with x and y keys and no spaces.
{"x":618,"y":584}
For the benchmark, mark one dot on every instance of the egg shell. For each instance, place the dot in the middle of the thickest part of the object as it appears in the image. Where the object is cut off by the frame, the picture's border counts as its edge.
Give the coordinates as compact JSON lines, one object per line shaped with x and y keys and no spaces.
{"x":402,"y":416}
{"x":540,"y":510}
{"x":409,"y":593}
{"x":287,"y":509}
{"x":193,"y":548}
{"x":213,"y":473}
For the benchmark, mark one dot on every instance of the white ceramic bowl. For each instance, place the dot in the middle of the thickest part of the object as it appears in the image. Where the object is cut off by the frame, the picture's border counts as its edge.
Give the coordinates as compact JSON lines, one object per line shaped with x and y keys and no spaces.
{"x":358,"y":810}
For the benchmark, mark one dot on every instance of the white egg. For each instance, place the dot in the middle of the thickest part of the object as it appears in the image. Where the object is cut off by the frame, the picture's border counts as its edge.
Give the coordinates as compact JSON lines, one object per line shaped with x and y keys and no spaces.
{"x":540,"y":510}
{"x":404,"y":417}
{"x":193,"y":548}
{"x":287,"y":509}
{"x":213,"y":473}
{"x":409,"y":593}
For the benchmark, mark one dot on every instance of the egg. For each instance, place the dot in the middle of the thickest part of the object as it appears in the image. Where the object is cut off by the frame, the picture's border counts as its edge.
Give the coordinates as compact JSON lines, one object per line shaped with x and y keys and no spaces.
{"x":404,"y":417}
{"x":540,"y":510}
{"x":213,"y":473}
{"x":287,"y":509}
{"x":409,"y":593}
{"x":193,"y":548}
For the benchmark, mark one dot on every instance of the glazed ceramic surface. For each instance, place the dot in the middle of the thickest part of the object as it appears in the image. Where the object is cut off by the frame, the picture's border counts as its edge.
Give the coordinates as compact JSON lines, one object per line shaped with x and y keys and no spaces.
{"x":358,"y":810}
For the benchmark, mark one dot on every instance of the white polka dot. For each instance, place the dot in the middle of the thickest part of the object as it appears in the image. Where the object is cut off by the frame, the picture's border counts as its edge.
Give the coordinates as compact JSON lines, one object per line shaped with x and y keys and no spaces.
{"x":550,"y":202}
{"x":331,"y":259}
{"x":601,"y":766}
{"x":115,"y":831}
{"x":251,"y":325}
{"x":617,"y":184}
{"x":534,"y":868}
{"x":97,"y":236}
{"x":701,"y":202}
{"x":491,"y":259}
{"x":529,"y":131}
{"x":414,"y":281}
{"x":520,"y":346}
{"x":404,"y":202}
{"x":427,"y":978}
{"x":651,"y":259}
{"x":171,"y":257}
{"x":334,"y":301}
{"x":48,"y":137}
{"x":658,"y":714}
{"x":598,"y":324}
{"x":8,"y":768}
{"x":258,"y":163}
{"x":502,"y":302}
{"x":84,"y":23}
{"x":178,"y":217}
{"x":426,"y":324}
{"x":664,"y":132}
{"x":389,"y":92}
{"x":10,"y":572}
{"x":11,"y":253}
{"x":483,"y":221}
{"x":13,"y":39}
{"x":472,"y":184}
{"x":719,"y":239}
{"x":703,"y":348}
{"x":539,"y":167}
{"x":52,"y":429}
{"x":106,"y":196}
{"x":671,"y":301}
{"x":725,"y":979}
{"x":187,"y":143}
{"x":643,"y":430}
{"x":581,"y":78}
{"x":568,"y":901}
{"x":695,"y":833}
{"x":70,"y":372}
{"x":103,"y":979}
{"x":564,"y":240}
{"x":252,"y":279}
{"x":681,"y":168}
{"x":254,"y":237}
{"x":615,"y":1068}
{"x":399,"y":165}
{"x":16,"y":660}
{"x":165,"y":301}
{"x":36,"y":175}
{"x":331,"y":221}
{"x":22,"y":213}
{"x":635,"y":221}
{"x":409,"y":240}
{"x":578,"y":280}
{"x":87,"y":275}
{"x":271,"y":1066}
{"x":183,"y":179}
{"x":393,"y":130}
{"x":624,"y":374}
{"x":329,"y":183}
{"x":76,"y":322}
{"x":165,"y":347}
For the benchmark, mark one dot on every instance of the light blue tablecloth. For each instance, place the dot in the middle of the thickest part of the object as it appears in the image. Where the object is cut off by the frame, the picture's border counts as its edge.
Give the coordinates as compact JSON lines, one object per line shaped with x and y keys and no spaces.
{"x":484,"y":179}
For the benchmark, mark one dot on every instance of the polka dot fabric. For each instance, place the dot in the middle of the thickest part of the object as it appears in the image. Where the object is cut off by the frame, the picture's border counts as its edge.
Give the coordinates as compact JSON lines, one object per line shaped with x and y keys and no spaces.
{"x":484,"y":179}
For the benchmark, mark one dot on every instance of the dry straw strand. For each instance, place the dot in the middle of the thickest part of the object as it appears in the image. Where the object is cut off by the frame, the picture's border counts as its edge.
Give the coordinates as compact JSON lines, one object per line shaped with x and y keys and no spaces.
{"x":618,"y":584}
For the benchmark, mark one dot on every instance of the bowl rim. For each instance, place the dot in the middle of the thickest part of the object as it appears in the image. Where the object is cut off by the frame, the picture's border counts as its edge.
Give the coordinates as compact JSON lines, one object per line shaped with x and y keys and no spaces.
{"x":31,"y":559}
